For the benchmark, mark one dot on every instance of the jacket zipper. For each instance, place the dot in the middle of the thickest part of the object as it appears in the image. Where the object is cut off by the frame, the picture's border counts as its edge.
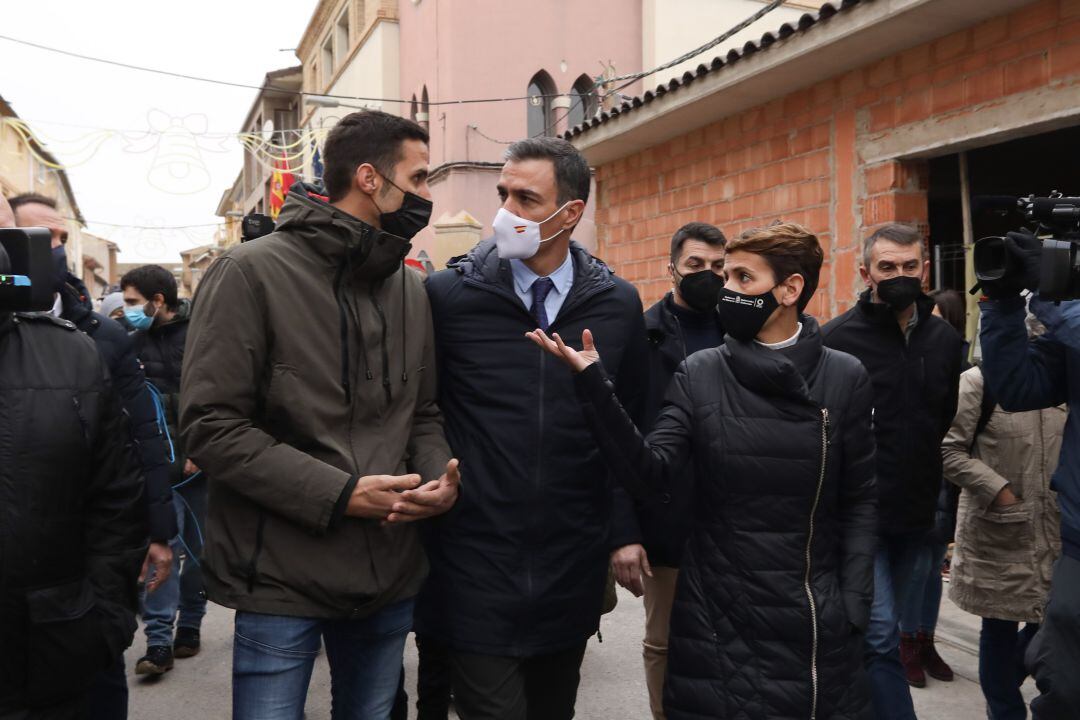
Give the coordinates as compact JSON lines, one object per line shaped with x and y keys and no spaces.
{"x":538,"y":479}
{"x":806,"y":579}
{"x":516,"y":301}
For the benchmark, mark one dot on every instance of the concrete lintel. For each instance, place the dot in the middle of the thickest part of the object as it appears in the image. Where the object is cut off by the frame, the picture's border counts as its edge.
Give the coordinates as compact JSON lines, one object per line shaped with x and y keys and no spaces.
{"x":846,"y":41}
{"x":1020,"y":115}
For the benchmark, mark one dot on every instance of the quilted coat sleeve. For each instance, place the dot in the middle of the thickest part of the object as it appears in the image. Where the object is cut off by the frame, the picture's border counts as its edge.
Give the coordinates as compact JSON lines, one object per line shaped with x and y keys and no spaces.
{"x":858,"y":504}
{"x":632,"y":388}
{"x":642,"y":465}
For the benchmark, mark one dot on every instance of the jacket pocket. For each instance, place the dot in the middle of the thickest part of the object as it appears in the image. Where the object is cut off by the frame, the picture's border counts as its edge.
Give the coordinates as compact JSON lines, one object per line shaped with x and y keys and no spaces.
{"x":1004,"y":534}
{"x":67,"y":644}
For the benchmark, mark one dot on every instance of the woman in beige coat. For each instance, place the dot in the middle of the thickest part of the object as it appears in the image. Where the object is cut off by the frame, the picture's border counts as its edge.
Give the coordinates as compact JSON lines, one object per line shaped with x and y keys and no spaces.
{"x":1006,"y":532}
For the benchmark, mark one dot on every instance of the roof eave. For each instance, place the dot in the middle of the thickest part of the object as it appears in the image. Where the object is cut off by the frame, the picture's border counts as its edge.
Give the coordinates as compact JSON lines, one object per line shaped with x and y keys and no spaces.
{"x":858,"y":36}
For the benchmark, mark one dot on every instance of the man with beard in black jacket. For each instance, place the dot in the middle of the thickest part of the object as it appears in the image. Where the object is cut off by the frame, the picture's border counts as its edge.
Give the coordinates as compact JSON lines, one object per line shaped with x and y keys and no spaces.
{"x":913,"y":358}
{"x":72,"y":518}
{"x":518,"y":566}
{"x":681,"y":323}
{"x":118,"y":352}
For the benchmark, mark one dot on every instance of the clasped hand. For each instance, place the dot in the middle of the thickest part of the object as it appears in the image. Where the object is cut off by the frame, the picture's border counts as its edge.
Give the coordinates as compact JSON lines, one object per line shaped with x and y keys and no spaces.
{"x":401,"y":498}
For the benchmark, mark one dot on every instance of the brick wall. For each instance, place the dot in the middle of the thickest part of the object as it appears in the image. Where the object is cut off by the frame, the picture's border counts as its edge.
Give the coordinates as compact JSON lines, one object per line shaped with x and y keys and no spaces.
{"x":798,"y":157}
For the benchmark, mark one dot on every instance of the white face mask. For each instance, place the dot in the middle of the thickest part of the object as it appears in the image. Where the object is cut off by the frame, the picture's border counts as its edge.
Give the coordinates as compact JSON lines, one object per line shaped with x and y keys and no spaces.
{"x":518,"y":238}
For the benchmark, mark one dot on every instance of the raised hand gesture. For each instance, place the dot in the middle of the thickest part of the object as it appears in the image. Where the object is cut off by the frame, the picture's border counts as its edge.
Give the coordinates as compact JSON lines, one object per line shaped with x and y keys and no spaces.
{"x":577,"y":361}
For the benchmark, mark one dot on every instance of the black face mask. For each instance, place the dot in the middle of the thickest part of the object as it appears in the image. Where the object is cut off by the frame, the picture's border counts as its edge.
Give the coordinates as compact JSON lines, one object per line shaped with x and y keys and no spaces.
{"x":409,"y":219}
{"x":700,"y":289}
{"x":743,"y":316}
{"x":59,"y":269}
{"x":899,"y":292}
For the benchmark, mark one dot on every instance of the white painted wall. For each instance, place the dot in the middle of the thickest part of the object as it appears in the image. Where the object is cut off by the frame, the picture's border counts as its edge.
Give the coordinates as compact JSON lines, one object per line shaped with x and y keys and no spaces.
{"x":673,"y":27}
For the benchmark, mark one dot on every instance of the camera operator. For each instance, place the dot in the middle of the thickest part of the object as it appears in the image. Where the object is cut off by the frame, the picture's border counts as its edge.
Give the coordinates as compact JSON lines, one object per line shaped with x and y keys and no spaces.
{"x":73,"y":520}
{"x":1031,"y":375}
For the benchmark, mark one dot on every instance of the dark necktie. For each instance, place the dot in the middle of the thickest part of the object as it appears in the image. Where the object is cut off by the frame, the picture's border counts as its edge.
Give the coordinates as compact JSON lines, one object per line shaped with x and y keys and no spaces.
{"x":540,"y":289}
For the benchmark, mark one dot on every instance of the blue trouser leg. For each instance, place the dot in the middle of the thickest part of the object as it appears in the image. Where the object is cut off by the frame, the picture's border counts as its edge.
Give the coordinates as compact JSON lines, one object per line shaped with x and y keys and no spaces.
{"x":1001,"y":667}
{"x":365,"y":662}
{"x":273,"y":657}
{"x":898,"y":559}
{"x":192,"y":604}
{"x":159,"y":607}
{"x":931,"y":605}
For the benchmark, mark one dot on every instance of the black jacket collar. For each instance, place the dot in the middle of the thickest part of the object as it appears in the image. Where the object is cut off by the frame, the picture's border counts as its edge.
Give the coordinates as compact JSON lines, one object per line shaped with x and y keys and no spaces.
{"x":482,"y":265}
{"x":883,"y":314}
{"x":75,"y":301}
{"x":773,"y":372}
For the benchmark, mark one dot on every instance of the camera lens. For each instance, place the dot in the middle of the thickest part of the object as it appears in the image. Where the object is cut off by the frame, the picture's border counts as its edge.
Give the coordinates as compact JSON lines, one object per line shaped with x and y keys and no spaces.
{"x":991,"y":259}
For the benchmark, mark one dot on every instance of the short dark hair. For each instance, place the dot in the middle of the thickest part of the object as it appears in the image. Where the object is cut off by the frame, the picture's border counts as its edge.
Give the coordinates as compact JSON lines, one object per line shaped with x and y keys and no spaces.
{"x":368,"y":136}
{"x":572,"y":174}
{"x":901,"y":234}
{"x":150,"y":280}
{"x":30,"y":198}
{"x":789,"y":248}
{"x":706,"y":233}
{"x":950,"y":303}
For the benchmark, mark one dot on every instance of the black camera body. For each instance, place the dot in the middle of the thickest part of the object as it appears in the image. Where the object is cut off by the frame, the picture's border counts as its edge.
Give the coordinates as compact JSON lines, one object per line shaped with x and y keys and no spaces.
{"x":1059,"y":276}
{"x":25,"y":270}
{"x":255,"y":226}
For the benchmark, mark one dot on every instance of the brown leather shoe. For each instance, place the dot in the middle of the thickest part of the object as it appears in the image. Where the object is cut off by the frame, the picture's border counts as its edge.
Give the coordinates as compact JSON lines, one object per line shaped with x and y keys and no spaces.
{"x":933,"y":664}
{"x":910,"y":659}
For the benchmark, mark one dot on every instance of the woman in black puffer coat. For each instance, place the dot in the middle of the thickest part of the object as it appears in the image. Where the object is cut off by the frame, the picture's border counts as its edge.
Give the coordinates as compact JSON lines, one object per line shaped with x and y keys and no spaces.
{"x":778,"y":576}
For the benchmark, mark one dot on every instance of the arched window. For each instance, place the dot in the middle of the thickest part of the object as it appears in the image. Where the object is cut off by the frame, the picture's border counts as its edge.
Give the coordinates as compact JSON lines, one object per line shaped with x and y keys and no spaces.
{"x":412,"y":108}
{"x":583,"y":101}
{"x":541,"y":89}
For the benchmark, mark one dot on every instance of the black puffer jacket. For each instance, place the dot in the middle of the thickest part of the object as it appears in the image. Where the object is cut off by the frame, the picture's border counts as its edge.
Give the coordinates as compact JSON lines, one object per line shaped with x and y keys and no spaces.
{"x":777,"y":575}
{"x":161,"y":350}
{"x":72,"y":520}
{"x":118,"y":352}
{"x":518,"y":565}
{"x":916,"y":385}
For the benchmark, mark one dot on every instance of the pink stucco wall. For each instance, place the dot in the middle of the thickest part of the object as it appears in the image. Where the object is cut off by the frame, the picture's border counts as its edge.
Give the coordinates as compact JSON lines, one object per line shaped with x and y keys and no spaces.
{"x":463,"y":49}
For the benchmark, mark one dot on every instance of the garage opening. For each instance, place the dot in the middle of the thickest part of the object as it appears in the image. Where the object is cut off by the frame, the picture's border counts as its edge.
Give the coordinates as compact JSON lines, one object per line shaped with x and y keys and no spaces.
{"x":997,"y":175}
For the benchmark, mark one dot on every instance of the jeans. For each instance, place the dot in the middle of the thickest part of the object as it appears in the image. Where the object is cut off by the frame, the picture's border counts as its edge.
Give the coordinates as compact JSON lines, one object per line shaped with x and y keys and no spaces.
{"x":273,"y":656}
{"x":898,"y":559}
{"x":1001,"y":667}
{"x":180,"y":598}
{"x":922,"y":599}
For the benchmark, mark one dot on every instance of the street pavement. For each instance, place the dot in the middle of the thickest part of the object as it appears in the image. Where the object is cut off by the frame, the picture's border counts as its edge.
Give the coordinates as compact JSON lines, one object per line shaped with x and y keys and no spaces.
{"x":612,"y":685}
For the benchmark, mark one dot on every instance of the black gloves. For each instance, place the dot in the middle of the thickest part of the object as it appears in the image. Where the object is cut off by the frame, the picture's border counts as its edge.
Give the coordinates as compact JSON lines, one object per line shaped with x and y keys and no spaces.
{"x":1024,"y":263}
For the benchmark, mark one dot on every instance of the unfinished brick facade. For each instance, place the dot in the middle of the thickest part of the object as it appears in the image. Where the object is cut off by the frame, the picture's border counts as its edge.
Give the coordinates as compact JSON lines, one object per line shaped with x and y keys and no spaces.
{"x":814,"y":156}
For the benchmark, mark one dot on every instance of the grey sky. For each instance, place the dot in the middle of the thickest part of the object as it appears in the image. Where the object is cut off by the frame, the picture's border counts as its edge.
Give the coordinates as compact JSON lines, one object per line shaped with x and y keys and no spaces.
{"x":236,"y":40}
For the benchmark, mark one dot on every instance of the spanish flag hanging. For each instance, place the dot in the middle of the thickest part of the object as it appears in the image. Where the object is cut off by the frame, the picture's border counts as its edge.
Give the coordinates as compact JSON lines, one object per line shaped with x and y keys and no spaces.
{"x":280,"y":182}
